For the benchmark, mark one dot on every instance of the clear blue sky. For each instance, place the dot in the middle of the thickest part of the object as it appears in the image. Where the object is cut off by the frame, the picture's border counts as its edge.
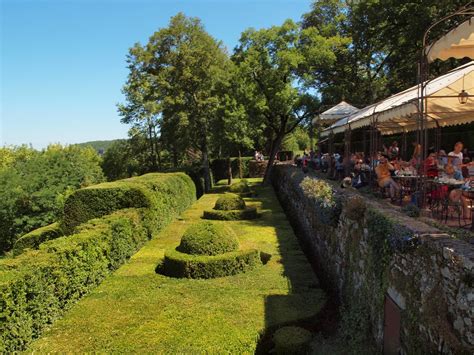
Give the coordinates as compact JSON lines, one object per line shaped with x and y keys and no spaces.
{"x":63,"y":61}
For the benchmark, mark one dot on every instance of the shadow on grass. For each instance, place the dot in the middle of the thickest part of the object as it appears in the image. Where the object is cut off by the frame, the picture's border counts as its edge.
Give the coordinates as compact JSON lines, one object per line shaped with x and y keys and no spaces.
{"x":306,"y":305}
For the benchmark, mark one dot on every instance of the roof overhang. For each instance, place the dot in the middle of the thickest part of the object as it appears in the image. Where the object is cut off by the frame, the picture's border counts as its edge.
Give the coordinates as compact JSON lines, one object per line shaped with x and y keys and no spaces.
{"x":457,"y":43}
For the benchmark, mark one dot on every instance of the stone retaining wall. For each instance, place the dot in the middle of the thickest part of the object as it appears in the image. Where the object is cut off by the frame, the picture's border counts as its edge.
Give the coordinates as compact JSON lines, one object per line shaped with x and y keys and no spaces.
{"x":380,"y":259}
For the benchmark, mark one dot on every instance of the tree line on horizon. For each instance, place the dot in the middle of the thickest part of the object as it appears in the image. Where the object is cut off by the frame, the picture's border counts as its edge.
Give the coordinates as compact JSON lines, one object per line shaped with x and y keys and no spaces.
{"x":187,"y":97}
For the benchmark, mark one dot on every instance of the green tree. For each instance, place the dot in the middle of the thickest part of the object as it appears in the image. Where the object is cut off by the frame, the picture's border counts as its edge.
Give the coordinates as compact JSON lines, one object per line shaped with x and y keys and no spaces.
{"x":120,"y":161}
{"x":177,"y":77}
{"x":275,"y":64}
{"x":33,"y":189}
{"x":383,"y":49}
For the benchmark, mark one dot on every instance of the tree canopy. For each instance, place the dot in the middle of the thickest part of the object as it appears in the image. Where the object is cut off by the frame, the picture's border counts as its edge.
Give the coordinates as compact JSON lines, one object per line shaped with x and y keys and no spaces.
{"x":33,"y":185}
{"x":277,"y":64}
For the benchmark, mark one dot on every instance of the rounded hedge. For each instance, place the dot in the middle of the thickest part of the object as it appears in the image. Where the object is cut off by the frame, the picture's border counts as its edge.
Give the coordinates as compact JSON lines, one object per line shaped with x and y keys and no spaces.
{"x":229,"y":202}
{"x":239,"y":187}
{"x":234,"y":215}
{"x":292,"y":340}
{"x":207,"y":238}
{"x":177,"y":264}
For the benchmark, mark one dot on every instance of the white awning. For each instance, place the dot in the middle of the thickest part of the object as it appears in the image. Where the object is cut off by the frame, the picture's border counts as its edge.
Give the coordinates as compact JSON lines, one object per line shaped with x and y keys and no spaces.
{"x":399,"y":112}
{"x":457,"y":43}
{"x":342,"y":109}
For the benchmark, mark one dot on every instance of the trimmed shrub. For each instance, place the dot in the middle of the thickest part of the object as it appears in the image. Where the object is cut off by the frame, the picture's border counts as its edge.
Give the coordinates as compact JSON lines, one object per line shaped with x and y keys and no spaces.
{"x":229,"y":202}
{"x":207,"y":238}
{"x":156,"y":192}
{"x":38,"y":285}
{"x":234,"y":215}
{"x":241,"y":186}
{"x":292,"y":340}
{"x":33,"y":239}
{"x":177,"y":264}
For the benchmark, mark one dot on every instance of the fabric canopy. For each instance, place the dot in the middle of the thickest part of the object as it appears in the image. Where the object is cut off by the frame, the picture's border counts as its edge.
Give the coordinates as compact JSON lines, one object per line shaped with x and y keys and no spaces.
{"x":342,"y":109}
{"x":399,"y":112}
{"x":457,"y":43}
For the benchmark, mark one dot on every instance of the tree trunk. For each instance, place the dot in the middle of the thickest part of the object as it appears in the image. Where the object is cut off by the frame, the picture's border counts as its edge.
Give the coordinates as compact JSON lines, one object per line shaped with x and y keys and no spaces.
{"x":274,"y":149}
{"x":152,"y":148}
{"x":157,"y":148}
{"x":240,"y":166}
{"x":205,"y":166}
{"x":175,"y":156}
{"x":229,"y":171}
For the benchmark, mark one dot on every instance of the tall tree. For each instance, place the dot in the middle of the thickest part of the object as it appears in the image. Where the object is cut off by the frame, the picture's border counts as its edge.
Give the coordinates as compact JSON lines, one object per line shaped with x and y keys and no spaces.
{"x":143,"y":104}
{"x":275,"y":64}
{"x":383,"y":50}
{"x":181,"y":67}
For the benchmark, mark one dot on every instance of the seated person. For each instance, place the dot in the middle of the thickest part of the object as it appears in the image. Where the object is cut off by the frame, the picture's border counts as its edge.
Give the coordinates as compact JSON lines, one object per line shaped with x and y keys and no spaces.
{"x":359,"y":179}
{"x":456,"y":196}
{"x":430,"y":164}
{"x":384,"y":177}
{"x":456,"y":157}
{"x":451,"y":173}
{"x":442,"y":158}
{"x":339,"y":167}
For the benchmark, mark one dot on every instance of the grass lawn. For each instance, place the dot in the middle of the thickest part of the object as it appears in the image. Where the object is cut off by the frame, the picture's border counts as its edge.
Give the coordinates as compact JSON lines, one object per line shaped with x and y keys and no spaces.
{"x":137,"y":310}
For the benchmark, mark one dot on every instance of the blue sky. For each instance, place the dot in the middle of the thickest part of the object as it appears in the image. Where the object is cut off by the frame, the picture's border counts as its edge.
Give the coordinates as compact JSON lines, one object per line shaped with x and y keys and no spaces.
{"x":63,"y":61}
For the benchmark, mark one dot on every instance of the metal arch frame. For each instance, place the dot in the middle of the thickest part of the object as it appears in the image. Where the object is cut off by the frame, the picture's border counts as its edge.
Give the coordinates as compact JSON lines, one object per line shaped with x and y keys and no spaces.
{"x":467,"y":10}
{"x":423,"y":70}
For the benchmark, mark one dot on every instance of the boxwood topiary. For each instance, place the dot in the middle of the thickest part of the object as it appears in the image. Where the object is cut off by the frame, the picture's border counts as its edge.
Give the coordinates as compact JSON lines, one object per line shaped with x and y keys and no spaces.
{"x":235,"y":215}
{"x":38,"y":285}
{"x":240,"y":187}
{"x":33,"y":239}
{"x":207,"y":238}
{"x":229,"y":202}
{"x":160,"y":194}
{"x":177,"y":264}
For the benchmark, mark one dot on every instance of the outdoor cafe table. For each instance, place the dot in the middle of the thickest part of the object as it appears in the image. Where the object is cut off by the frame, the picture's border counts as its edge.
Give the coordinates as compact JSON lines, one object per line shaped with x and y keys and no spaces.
{"x":407,"y":184}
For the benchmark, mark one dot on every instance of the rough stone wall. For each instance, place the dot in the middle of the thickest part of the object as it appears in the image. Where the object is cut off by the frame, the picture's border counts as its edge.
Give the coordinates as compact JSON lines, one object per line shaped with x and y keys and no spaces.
{"x":428,"y":274}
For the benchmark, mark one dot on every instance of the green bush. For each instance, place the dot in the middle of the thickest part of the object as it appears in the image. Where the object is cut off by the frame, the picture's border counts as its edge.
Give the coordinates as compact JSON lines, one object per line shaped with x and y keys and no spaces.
{"x":292,"y":340}
{"x":235,"y":215}
{"x":33,"y":239}
{"x":38,"y":285}
{"x":33,"y":185}
{"x":177,"y":264}
{"x":207,"y":238}
{"x":241,"y":186}
{"x":229,"y":202}
{"x":156,"y":192}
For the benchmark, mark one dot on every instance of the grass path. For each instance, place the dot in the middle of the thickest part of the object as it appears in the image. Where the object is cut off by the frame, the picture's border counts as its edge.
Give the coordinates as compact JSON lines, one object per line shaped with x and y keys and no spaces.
{"x":137,"y":310}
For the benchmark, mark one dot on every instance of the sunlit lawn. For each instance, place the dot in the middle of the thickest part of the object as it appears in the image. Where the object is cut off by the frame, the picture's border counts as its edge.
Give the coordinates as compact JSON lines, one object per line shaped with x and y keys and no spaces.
{"x":137,"y":310}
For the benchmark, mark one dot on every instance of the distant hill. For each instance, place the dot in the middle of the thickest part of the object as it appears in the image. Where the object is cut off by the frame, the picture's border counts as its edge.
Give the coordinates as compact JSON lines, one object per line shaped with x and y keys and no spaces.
{"x":100,"y":146}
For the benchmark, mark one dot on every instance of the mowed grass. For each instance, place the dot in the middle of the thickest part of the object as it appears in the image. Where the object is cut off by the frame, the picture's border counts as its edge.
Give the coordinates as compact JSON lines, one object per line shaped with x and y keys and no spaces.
{"x":137,"y":310}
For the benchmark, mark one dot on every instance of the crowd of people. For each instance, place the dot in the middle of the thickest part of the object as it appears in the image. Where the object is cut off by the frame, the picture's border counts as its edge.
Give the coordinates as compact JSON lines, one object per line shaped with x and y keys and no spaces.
{"x":387,"y":169}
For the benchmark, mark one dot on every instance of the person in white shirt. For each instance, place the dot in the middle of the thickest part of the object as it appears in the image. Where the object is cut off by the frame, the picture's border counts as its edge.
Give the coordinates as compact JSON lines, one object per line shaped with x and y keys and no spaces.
{"x":455,"y":157}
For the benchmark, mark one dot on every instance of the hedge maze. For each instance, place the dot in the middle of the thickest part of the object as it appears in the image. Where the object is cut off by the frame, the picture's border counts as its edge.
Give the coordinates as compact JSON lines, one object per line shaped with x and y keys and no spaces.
{"x":56,"y":265}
